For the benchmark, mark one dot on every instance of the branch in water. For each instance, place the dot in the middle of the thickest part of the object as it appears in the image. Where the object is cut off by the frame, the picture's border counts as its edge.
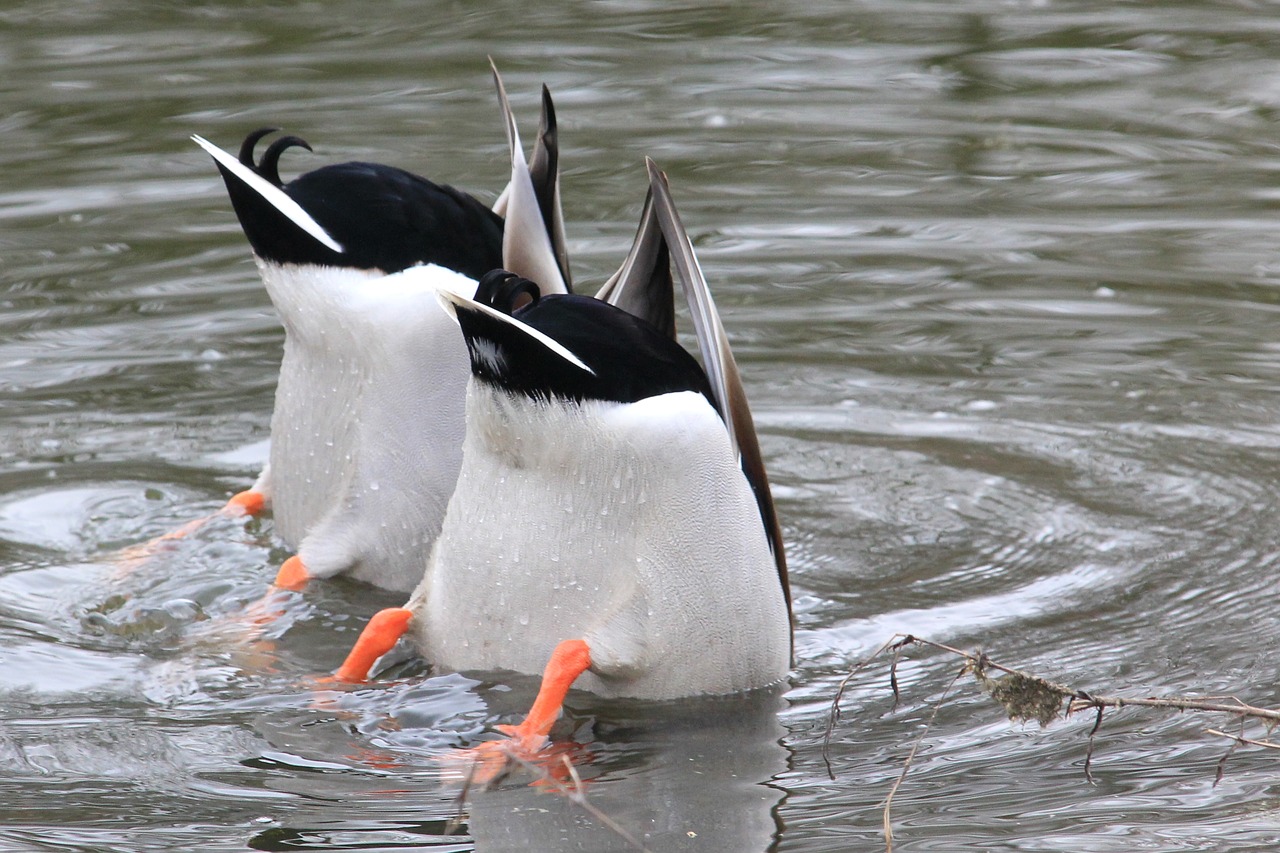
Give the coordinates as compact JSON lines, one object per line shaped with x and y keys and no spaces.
{"x":1027,"y":697}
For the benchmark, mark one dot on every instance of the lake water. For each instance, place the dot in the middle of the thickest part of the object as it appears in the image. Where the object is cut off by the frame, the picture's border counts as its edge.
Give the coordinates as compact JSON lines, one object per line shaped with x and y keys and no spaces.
{"x":1004,"y":284}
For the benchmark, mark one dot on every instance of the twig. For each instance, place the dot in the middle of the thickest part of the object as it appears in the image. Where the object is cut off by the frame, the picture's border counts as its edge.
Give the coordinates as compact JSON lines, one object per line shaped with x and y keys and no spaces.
{"x":1221,"y":769}
{"x":1088,"y":753}
{"x":893,"y":672}
{"x":575,"y":794}
{"x":1080,"y":700}
{"x":834,"y":716}
{"x":1029,"y":697}
{"x":906,"y":765}
{"x":979,"y":659}
{"x":1178,"y":703}
{"x":1241,"y":739}
{"x":460,"y":816}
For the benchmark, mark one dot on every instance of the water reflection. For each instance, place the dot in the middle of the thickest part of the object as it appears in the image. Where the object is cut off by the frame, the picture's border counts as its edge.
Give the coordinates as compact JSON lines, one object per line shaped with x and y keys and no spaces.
{"x":691,"y":775}
{"x":690,"y":778}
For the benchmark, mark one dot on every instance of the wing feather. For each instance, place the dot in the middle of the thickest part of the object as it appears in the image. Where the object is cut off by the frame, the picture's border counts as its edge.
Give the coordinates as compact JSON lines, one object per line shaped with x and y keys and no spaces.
{"x":722,"y":369}
{"x":526,"y":239}
{"x":642,"y":286}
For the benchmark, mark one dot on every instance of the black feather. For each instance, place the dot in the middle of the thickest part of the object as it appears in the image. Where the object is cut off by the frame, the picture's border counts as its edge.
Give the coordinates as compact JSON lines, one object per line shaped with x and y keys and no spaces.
{"x":385,"y":218}
{"x":250,"y":141}
{"x":630,"y":359}
{"x":269,"y":165}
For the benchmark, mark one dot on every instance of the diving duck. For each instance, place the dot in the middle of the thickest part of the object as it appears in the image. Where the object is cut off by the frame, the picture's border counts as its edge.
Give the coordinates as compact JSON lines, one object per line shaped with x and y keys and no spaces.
{"x":612,"y":527}
{"x":367,"y":429}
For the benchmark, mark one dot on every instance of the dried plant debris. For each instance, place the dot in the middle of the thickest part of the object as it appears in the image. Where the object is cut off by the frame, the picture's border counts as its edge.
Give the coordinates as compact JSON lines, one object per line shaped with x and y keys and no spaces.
{"x":1027,"y":697}
{"x":1024,"y":697}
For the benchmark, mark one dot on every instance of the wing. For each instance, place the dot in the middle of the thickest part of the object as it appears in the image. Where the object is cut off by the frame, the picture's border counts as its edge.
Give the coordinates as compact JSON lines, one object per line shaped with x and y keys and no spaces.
{"x":642,"y":285}
{"x":533,"y":246}
{"x":722,"y":369}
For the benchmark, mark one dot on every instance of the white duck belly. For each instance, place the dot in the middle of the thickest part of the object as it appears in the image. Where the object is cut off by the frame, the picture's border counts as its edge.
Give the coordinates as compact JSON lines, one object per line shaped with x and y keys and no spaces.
{"x":627,"y":525}
{"x":368,"y":422}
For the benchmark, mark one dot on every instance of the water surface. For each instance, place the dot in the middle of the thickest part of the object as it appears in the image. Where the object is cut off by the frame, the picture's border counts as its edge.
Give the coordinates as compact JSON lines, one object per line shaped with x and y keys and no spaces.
{"x":1003,"y":282}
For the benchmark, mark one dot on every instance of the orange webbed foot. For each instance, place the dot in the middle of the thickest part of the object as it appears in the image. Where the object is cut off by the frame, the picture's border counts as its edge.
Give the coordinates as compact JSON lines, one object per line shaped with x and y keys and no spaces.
{"x":293,"y":575}
{"x":488,"y":763}
{"x":525,"y":743}
{"x":570,"y":659}
{"x":247,"y":502}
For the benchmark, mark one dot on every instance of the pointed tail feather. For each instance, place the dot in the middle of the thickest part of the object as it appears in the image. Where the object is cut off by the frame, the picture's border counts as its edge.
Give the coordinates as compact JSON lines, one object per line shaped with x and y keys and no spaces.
{"x":544,"y":170}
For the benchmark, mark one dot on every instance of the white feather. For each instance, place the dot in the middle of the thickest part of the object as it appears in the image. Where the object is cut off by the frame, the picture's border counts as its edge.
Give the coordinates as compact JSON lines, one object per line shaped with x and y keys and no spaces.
{"x":368,"y":422}
{"x":628,"y":525}
{"x":526,"y":245}
{"x":450,"y":299}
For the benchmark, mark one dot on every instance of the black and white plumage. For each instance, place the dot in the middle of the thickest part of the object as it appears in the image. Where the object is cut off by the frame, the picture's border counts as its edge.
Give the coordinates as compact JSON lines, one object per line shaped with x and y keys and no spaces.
{"x":375,"y":217}
{"x":610,"y":495}
{"x":584,"y":349}
{"x":368,"y":422}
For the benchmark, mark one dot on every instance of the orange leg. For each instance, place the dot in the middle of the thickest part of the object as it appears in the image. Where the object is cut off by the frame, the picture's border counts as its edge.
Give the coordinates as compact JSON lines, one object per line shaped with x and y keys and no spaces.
{"x":570,"y":659}
{"x":377,"y":638}
{"x":488,"y":761}
{"x":242,"y":503}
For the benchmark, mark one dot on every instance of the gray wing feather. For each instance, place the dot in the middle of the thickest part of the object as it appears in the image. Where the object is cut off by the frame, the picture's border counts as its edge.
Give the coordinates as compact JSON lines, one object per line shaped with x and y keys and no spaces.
{"x":721,"y":367}
{"x":642,"y":286}
{"x":527,"y":238}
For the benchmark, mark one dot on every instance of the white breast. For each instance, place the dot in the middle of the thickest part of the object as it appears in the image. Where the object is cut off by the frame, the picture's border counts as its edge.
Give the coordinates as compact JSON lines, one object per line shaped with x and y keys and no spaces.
{"x":368,"y":422}
{"x":628,"y":525}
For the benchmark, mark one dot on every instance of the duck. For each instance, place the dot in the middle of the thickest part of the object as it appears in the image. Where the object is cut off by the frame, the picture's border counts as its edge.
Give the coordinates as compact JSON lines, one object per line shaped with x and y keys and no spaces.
{"x":612,"y":528}
{"x":367,"y":429}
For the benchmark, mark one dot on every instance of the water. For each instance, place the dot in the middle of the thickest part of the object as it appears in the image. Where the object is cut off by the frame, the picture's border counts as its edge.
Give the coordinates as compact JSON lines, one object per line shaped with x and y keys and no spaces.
{"x":1003,"y":281}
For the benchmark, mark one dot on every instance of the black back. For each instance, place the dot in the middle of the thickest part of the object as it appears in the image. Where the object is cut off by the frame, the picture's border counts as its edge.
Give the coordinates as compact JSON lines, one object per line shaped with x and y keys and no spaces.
{"x":384,"y":218}
{"x":630,"y":358}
